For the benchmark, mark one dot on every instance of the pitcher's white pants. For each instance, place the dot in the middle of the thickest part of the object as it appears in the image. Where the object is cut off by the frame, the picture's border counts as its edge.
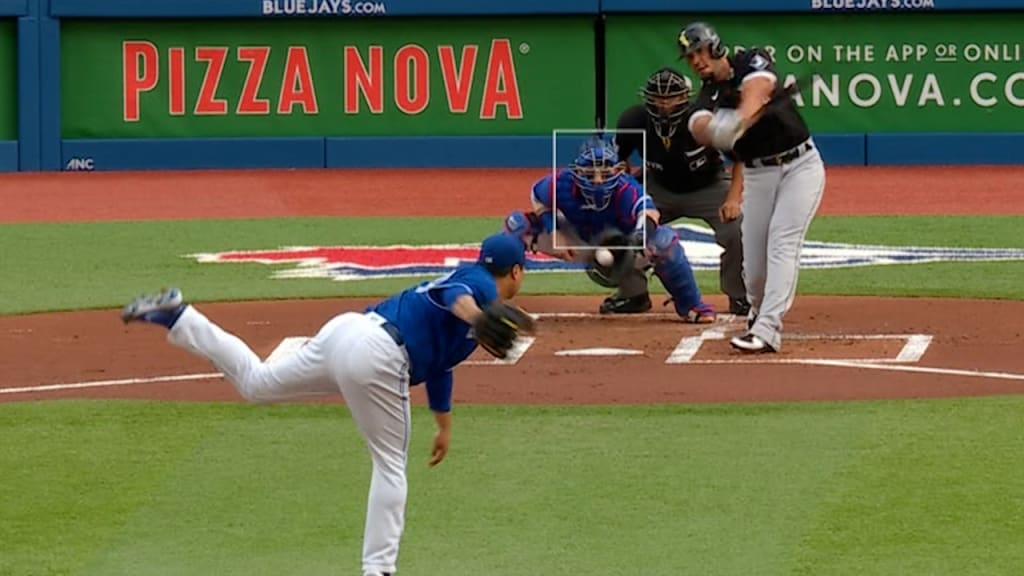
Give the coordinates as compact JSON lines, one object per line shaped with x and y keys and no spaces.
{"x":352,"y":354}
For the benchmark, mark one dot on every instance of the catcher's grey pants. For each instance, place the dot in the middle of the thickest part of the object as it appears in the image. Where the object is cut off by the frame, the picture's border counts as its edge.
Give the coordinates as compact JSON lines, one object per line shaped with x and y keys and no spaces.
{"x":702,"y":204}
{"x":352,"y":354}
{"x":779,"y":203}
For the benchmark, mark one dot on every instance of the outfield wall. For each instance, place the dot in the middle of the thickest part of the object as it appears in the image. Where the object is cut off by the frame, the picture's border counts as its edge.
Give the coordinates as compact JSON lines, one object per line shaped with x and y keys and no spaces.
{"x":129,"y":84}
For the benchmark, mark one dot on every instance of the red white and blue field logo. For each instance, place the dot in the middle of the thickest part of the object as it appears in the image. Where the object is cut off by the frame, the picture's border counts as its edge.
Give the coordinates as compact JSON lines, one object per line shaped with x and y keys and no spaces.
{"x":363,"y":262}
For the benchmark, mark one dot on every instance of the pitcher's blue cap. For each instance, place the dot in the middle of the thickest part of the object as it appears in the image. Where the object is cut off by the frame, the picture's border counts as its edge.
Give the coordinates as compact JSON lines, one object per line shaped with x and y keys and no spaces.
{"x":501,"y":251}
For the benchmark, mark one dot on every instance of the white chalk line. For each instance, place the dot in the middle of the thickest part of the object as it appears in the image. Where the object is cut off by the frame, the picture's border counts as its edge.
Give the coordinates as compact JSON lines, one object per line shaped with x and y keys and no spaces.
{"x":689,"y":346}
{"x":600,"y":352}
{"x":514,"y":354}
{"x":913,"y":350}
{"x":918,"y":369}
{"x":106,"y":383}
{"x":772,"y":359}
{"x":287,"y":346}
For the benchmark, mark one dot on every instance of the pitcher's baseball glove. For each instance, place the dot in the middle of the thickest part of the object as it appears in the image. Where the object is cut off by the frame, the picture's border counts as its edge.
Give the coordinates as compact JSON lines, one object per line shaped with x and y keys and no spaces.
{"x":498,"y":327}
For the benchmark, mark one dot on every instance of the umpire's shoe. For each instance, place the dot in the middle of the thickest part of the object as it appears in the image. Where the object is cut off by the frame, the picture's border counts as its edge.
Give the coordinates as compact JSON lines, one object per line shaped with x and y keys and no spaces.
{"x":163,"y":308}
{"x":621,"y":305}
{"x":739,"y":306}
{"x":751,"y":344}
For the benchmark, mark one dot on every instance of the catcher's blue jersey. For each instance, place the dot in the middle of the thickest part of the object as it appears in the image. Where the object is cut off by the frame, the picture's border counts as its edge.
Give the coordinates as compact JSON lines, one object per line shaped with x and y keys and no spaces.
{"x":436,"y":339}
{"x":623,"y":212}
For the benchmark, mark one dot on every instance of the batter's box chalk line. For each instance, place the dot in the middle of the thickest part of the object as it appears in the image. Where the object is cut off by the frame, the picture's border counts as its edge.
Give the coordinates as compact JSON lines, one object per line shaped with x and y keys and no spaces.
{"x":514,"y":354}
{"x":914,"y":348}
{"x":643,"y":316}
{"x":292,"y":343}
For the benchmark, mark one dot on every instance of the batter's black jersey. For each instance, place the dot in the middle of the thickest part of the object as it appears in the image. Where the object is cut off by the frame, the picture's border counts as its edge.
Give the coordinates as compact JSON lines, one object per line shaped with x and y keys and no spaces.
{"x":778,"y":130}
{"x":678,"y":163}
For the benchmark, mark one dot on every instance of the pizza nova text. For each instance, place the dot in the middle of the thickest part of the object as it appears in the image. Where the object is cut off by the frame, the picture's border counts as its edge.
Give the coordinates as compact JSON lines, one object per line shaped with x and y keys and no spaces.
{"x":368,"y":74}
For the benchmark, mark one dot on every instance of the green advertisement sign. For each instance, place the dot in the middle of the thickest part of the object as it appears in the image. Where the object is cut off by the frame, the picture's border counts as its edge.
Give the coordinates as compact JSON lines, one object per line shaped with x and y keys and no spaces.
{"x":8,"y":79}
{"x":473,"y":76}
{"x":870,"y":72}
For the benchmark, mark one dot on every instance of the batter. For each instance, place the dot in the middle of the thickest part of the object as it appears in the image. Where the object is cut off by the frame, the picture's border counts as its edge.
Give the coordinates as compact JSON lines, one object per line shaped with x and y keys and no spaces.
{"x":783,"y":176}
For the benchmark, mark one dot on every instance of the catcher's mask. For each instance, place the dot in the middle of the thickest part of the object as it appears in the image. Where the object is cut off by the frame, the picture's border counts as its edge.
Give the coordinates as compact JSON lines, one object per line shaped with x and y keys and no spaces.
{"x":597,"y":173}
{"x":667,"y":99}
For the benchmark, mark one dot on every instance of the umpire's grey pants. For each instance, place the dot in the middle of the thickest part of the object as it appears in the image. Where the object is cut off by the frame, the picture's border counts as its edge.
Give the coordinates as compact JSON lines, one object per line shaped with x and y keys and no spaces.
{"x":702,"y":204}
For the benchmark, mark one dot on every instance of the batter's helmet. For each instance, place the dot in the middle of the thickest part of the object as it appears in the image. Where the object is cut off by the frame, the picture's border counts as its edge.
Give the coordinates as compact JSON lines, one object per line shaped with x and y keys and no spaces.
{"x":597,"y":173}
{"x":666,"y":98}
{"x":697,"y":35}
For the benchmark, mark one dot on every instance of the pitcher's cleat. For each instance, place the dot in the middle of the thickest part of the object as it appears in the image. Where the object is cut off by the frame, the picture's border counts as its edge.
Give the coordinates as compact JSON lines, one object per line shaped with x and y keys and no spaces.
{"x":163,"y":308}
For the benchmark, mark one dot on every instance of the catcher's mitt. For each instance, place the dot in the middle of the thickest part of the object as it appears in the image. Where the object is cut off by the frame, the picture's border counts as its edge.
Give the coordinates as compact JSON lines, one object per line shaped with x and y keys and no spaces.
{"x":498,"y":327}
{"x":622,"y":264}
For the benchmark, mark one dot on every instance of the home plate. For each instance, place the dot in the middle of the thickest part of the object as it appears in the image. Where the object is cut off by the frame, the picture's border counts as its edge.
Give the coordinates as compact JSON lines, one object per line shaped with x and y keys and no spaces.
{"x":600,"y":352}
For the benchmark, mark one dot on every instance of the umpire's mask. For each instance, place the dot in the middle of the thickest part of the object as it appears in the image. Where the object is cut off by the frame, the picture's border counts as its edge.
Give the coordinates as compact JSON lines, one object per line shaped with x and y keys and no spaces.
{"x":667,"y":99}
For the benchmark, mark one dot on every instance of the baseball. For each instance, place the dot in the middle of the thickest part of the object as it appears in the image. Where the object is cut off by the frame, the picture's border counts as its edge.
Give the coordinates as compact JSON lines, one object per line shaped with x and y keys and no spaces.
{"x":604,"y":257}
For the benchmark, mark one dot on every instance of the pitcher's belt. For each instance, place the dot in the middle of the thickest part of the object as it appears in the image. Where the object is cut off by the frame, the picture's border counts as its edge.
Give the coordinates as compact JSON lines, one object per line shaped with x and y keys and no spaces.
{"x":388,"y":327}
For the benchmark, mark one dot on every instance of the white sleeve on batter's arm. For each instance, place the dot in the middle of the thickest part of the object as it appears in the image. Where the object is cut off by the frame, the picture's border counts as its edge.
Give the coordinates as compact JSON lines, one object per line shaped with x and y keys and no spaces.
{"x":702,"y":109}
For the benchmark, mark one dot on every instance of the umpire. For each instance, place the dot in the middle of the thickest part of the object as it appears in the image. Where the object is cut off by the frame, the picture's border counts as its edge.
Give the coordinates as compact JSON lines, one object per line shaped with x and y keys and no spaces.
{"x":686,"y":180}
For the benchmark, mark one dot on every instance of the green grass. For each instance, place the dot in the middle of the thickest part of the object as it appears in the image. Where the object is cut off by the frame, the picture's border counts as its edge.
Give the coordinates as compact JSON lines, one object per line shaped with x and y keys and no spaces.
{"x":138,"y":488}
{"x":99,"y":265}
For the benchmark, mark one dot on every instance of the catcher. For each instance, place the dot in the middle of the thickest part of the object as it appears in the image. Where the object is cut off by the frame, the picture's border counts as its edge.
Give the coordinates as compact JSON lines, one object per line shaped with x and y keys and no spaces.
{"x":600,"y":204}
{"x":372,"y":358}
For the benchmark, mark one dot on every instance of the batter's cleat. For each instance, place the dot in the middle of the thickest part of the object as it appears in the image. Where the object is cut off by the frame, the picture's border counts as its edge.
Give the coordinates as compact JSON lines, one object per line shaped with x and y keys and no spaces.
{"x":621,"y":305}
{"x":163,"y":308}
{"x":751,"y":344}
{"x":739,"y":306}
{"x":701,"y":314}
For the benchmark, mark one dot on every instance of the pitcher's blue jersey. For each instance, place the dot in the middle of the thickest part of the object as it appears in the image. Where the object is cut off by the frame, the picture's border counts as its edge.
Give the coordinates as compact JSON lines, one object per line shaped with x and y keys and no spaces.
{"x":623,"y":212}
{"x":436,"y":339}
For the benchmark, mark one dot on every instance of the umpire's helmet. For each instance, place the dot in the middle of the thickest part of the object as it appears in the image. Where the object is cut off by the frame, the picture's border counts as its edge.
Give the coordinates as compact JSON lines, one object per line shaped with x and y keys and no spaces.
{"x":597,"y":173}
{"x":697,"y":35}
{"x":666,"y":98}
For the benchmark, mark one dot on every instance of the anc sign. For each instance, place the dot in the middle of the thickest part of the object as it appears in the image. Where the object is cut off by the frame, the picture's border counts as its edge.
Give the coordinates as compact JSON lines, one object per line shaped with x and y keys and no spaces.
{"x":362,"y":262}
{"x":877,"y":72}
{"x":324,"y":78}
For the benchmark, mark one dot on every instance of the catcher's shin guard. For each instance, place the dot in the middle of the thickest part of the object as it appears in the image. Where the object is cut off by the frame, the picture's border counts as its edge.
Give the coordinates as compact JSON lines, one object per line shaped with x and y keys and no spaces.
{"x":673,"y":269}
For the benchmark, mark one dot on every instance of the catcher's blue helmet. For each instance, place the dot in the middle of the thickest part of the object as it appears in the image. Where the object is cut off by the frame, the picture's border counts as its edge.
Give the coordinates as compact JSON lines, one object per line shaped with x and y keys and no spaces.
{"x":597,"y":173}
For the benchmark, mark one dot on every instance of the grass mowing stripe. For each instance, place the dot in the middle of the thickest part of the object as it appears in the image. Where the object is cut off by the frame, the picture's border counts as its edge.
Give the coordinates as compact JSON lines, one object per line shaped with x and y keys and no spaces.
{"x":259,"y":495}
{"x":936,"y":495}
{"x":74,"y":471}
{"x":101,"y":265}
{"x":913,"y":487}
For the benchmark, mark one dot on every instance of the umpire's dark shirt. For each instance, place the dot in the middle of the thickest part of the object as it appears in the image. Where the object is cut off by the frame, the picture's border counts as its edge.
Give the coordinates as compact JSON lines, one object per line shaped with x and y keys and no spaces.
{"x":778,"y":130}
{"x":678,"y":164}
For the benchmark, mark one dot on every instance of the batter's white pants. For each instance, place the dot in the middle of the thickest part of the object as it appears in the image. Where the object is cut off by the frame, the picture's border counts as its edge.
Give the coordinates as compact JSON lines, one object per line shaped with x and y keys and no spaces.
{"x":779,"y":204}
{"x":352,"y":354}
